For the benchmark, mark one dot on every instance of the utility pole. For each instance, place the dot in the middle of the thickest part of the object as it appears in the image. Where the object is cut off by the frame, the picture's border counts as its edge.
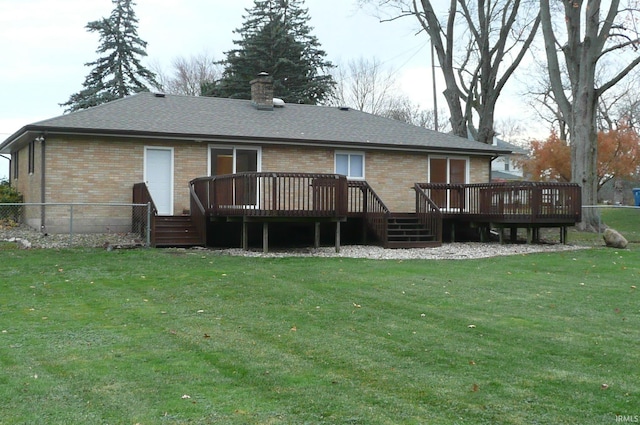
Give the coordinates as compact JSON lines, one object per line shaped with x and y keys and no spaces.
{"x":435,"y":96}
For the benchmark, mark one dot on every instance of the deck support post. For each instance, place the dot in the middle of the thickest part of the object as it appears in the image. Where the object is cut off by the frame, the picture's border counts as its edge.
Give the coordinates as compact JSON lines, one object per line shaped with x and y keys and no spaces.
{"x":337,"y":236}
{"x":245,"y":235}
{"x":563,"y":235}
{"x":514,"y":234}
{"x":265,"y":237}
{"x":484,"y":233}
{"x":316,"y":238}
{"x":529,"y":235}
{"x":453,"y":232}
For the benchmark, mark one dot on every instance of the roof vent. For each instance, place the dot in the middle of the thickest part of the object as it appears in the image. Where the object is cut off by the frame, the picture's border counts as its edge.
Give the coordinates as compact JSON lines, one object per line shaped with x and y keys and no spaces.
{"x":159,"y":94}
{"x":343,"y":108}
{"x":278,"y":103}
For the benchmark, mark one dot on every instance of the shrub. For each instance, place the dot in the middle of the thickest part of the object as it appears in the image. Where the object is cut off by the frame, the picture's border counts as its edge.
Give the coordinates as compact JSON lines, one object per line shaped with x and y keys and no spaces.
{"x":9,"y":215}
{"x":9,"y":194}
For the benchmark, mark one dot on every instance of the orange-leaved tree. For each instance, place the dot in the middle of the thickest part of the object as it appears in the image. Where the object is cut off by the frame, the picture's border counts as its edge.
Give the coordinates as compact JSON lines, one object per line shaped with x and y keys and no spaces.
{"x":618,"y":154}
{"x":618,"y":157}
{"x":549,"y":160}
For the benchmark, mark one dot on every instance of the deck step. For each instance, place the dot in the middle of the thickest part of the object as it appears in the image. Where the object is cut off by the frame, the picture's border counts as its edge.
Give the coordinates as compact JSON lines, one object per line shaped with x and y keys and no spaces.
{"x":404,"y":230}
{"x":177,"y":231}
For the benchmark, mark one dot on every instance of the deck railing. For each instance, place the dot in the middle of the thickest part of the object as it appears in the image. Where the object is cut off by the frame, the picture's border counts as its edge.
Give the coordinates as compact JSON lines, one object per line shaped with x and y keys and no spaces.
{"x":198,"y":216}
{"x":273,"y":194}
{"x":522,"y":202}
{"x":141,"y":195}
{"x":364,"y":201}
{"x":428,"y":212}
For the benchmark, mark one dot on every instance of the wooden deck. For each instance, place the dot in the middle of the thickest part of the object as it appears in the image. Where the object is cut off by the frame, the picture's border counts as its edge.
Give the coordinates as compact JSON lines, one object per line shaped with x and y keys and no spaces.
{"x":527,"y":205}
{"x":264,"y":198}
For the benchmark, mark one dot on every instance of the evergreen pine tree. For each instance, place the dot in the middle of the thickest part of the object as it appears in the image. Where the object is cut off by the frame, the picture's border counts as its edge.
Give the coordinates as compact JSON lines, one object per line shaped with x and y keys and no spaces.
{"x":276,"y":39}
{"x":118,"y":73}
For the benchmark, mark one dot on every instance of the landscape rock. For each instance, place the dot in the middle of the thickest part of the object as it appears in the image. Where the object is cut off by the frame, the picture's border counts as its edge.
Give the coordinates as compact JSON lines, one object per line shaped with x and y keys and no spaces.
{"x":614,"y":239}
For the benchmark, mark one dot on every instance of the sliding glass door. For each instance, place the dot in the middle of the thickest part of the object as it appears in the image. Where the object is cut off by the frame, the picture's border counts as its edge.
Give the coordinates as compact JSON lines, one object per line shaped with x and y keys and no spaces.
{"x":450,"y":171}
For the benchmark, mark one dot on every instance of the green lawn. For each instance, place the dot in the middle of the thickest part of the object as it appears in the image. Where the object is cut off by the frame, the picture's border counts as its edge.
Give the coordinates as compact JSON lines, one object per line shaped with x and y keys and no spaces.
{"x":191,"y":337}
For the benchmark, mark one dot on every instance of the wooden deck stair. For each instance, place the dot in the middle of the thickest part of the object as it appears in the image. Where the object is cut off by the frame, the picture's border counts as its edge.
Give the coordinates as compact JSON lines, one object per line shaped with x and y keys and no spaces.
{"x":176,"y":231}
{"x":404,"y":230}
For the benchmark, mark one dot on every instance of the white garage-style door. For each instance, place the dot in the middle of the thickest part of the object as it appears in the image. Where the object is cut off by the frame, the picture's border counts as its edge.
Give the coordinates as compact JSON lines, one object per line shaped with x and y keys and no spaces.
{"x":158,"y":174}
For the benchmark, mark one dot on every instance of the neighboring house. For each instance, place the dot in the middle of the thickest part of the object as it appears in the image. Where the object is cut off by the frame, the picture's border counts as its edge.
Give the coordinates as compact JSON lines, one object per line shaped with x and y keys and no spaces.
{"x":98,"y":155}
{"x":507,"y":167}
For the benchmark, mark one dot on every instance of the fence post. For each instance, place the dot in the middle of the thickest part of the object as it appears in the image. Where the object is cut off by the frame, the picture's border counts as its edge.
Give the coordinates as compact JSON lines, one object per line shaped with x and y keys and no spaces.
{"x":70,"y":224}
{"x":148,"y":224}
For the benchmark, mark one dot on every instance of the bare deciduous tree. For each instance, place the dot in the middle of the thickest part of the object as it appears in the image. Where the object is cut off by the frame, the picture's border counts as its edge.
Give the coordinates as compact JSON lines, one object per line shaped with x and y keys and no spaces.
{"x":367,"y":86}
{"x":588,"y":36}
{"x":479,"y":45}
{"x":188,"y":75}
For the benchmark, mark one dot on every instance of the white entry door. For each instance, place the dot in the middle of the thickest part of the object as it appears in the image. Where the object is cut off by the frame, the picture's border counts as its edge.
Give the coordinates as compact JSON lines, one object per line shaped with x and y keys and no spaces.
{"x":158,"y":174}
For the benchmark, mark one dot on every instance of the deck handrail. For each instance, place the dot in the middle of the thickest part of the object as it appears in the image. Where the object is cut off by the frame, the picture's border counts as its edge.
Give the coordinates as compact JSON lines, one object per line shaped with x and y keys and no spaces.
{"x":364,"y":200}
{"x":198,"y":215}
{"x":267,"y":194}
{"x":428,"y":212}
{"x":141,"y":195}
{"x":533,"y":202}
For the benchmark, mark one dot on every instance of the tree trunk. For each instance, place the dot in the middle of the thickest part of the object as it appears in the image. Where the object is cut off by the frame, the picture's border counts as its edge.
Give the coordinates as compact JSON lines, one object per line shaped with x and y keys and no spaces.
{"x":584,"y":162}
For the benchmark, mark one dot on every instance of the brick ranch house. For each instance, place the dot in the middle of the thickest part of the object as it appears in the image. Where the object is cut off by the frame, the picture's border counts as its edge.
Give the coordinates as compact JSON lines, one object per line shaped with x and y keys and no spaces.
{"x":233,"y":167}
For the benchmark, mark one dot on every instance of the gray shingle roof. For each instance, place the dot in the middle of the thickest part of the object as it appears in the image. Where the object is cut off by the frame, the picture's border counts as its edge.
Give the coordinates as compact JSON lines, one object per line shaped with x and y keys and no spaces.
{"x":209,"y":118}
{"x":515,"y":149}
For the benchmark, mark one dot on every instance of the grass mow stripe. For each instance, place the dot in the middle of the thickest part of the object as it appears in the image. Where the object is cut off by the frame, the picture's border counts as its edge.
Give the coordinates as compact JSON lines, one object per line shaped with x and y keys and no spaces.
{"x":164,"y":336}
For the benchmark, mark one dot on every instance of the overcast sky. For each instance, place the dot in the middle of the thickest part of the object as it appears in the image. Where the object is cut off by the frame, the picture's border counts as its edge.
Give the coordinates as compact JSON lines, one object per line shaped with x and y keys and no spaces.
{"x":44,"y":46}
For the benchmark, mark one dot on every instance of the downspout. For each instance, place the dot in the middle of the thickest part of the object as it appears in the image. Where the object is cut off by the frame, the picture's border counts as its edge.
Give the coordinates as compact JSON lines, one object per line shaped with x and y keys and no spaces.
{"x":41,"y":139}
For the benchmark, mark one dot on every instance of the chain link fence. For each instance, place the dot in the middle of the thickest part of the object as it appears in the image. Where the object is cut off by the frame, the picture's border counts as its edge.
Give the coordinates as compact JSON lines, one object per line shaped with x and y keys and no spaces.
{"x":49,"y":225}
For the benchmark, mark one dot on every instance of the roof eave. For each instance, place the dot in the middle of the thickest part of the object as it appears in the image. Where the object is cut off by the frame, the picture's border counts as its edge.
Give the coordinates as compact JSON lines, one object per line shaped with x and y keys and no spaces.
{"x":25,"y":134}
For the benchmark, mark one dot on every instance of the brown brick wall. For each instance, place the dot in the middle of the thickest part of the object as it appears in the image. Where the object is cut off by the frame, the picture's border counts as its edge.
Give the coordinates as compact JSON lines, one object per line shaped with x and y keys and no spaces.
{"x":99,"y":170}
{"x":479,"y":169}
{"x":291,"y":159}
{"x":29,"y":184}
{"x":390,"y":180}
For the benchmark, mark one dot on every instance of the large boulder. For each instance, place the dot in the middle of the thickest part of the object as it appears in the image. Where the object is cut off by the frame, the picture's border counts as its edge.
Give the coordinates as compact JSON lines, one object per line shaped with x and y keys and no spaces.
{"x":614,"y":239}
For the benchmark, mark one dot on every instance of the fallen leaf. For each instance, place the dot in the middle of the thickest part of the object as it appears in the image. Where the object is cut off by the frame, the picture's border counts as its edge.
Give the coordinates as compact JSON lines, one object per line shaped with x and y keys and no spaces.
{"x":186,"y":396}
{"x":471,"y":326}
{"x":357,"y":305}
{"x":294,"y":329}
{"x":472,"y":363}
{"x":604,"y":386}
{"x":207,"y":336}
{"x":475,"y":388}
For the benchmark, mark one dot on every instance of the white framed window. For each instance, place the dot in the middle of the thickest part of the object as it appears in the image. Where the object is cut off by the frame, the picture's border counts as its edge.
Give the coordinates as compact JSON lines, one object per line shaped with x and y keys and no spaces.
{"x":350,"y":164}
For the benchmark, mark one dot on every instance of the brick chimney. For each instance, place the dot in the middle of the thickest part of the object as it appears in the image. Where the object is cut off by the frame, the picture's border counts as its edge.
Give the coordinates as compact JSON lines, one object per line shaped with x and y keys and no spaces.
{"x":262,"y":92}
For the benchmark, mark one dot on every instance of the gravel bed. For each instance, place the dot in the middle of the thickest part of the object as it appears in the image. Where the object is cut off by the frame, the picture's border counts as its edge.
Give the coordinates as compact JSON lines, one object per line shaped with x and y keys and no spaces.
{"x":26,"y":237}
{"x":448,"y":251}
